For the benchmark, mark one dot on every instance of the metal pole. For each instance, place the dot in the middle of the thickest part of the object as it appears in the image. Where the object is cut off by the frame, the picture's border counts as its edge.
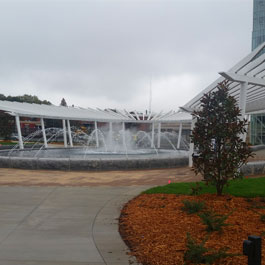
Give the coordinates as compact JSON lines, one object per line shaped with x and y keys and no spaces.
{"x":191,"y":144}
{"x":179,"y":137}
{"x":20,"y":140}
{"x":64,"y":134}
{"x":159,"y":135}
{"x":43,"y":133}
{"x":69,"y":133}
{"x":153,"y":135}
{"x":123,"y":135}
{"x":96,"y":132}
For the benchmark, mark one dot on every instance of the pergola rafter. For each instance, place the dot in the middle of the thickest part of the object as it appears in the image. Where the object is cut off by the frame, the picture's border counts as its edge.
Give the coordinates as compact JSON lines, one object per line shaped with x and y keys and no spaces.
{"x":250,"y":70}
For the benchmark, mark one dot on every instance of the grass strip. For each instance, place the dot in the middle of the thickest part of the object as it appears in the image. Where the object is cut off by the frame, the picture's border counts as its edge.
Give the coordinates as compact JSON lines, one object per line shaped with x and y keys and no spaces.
{"x":246,"y":187}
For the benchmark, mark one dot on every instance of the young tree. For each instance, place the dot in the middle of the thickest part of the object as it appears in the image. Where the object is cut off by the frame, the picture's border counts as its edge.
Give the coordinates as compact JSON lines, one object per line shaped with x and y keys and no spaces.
{"x":217,"y":136}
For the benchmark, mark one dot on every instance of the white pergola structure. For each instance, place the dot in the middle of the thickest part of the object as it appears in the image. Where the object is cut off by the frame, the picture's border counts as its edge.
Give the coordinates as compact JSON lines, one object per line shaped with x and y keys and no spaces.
{"x":68,"y":114}
{"x":246,"y":84}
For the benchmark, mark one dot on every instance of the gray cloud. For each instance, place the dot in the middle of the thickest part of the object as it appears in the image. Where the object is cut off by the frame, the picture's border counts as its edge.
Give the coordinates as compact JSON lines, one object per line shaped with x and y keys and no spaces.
{"x":103,"y":53}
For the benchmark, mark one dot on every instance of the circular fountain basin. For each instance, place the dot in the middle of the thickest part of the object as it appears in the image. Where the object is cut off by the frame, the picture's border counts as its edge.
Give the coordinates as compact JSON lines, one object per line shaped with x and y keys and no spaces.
{"x":92,"y":159}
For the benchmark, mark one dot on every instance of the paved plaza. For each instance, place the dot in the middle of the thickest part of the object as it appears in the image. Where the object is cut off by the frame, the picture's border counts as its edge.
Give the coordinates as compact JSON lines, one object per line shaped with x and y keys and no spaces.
{"x":69,"y":218}
{"x":62,"y":225}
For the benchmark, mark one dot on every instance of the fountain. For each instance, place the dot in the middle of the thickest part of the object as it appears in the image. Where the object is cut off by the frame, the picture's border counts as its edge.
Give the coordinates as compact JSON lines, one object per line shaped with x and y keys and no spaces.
{"x":99,"y":150}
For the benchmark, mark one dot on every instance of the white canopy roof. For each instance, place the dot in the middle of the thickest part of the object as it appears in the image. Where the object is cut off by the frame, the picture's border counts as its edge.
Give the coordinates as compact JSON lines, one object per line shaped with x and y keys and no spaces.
{"x":252,"y":70}
{"x":74,"y":113}
{"x":58,"y":112}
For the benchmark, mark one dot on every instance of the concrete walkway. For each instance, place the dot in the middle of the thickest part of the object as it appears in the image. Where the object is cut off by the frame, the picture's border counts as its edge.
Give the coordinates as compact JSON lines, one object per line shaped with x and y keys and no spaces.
{"x":70,"y":218}
{"x":63,"y":225}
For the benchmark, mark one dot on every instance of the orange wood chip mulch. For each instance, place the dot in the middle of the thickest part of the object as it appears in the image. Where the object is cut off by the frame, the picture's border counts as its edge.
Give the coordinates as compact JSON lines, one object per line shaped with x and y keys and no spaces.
{"x":154,"y":227}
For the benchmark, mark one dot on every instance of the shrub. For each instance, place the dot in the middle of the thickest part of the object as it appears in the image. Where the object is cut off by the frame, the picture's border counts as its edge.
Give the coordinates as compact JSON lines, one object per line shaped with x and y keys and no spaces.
{"x":193,"y":206}
{"x":213,"y":221}
{"x":256,"y":205}
{"x":196,"y":189}
{"x":197,"y":253}
{"x":262,"y":199}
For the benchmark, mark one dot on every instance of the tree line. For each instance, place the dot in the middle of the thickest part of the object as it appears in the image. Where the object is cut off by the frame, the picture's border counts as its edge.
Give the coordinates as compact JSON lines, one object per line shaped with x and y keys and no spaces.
{"x":25,"y":98}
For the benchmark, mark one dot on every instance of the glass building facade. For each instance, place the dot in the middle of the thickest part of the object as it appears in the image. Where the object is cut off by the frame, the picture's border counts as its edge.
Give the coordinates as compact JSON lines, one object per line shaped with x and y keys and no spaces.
{"x":258,"y":33}
{"x":257,"y":129}
{"x":257,"y":124}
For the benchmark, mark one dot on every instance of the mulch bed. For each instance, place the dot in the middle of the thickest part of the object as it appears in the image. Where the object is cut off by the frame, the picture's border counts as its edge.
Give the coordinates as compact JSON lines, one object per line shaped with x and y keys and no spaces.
{"x":155,"y":228}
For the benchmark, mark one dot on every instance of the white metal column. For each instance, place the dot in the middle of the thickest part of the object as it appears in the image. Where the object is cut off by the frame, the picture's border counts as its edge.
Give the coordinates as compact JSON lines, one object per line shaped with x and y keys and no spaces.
{"x":191,"y":144}
{"x":242,"y":104}
{"x":110,"y":133}
{"x":247,"y":128}
{"x":159,"y":135}
{"x":20,"y":140}
{"x":179,"y":137}
{"x":69,"y":133}
{"x":64,"y":134}
{"x":123,"y":136}
{"x":243,"y":98}
{"x":43,"y":133}
{"x":96,"y":132}
{"x":153,"y":135}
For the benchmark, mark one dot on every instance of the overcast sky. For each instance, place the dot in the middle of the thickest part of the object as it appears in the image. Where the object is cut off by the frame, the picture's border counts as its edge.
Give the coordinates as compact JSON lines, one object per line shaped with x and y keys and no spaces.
{"x":104,"y":53}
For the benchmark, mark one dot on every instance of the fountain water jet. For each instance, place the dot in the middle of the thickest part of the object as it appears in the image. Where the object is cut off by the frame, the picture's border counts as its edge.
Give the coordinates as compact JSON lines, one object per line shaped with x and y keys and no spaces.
{"x":117,"y":149}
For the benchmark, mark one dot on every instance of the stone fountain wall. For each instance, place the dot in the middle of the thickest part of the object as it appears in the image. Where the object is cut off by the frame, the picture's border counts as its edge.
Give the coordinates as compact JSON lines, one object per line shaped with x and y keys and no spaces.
{"x":94,"y":164}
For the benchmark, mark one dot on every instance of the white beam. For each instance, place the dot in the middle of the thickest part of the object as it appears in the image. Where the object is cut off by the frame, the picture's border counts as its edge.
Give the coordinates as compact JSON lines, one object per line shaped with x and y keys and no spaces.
{"x":96,"y":133}
{"x":179,"y":136}
{"x":64,"y":134}
{"x":43,"y":133}
{"x":20,"y":140}
{"x":159,"y":135}
{"x":243,"y":78}
{"x":69,"y":133}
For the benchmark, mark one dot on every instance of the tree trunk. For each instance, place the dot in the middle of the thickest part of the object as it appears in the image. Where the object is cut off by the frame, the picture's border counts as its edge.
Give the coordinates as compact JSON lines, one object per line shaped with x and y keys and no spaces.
{"x":219,"y":189}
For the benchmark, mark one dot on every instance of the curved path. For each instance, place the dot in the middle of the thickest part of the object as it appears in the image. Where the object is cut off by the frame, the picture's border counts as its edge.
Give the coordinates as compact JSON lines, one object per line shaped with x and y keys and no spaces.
{"x":63,"y":225}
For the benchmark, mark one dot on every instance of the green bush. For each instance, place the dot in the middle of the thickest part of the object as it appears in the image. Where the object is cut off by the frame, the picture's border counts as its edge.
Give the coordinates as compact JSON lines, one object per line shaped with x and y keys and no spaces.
{"x":262,"y":199}
{"x":193,"y":206}
{"x":196,"y":189}
{"x":213,"y":221}
{"x":197,"y":253}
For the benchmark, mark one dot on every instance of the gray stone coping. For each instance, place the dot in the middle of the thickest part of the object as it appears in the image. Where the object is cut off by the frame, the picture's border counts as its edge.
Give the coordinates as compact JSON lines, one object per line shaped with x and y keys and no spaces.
{"x":253,"y":168}
{"x":93,"y":164}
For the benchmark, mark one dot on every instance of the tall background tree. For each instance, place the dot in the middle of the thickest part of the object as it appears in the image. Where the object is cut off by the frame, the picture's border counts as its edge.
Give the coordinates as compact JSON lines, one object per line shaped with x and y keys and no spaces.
{"x":63,"y":103}
{"x":217,"y":137}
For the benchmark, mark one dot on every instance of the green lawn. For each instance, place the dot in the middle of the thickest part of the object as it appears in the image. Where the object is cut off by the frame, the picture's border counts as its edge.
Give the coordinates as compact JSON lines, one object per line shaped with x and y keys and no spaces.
{"x":247,"y":187}
{"x":7,"y":143}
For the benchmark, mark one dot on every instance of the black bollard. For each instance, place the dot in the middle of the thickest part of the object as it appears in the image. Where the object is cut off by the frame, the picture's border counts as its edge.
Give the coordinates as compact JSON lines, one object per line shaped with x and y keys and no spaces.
{"x":252,"y":249}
